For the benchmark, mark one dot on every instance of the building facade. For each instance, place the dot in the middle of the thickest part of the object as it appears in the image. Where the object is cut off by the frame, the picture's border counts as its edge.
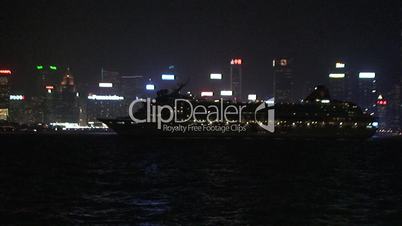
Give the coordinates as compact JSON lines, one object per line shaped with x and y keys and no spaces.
{"x":367,"y":91}
{"x":5,"y":76}
{"x":236,"y":79}
{"x":283,"y":80}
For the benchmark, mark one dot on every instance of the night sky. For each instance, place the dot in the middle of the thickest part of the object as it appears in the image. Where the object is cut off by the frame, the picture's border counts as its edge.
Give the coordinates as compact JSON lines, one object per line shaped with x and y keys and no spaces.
{"x":200,"y":37}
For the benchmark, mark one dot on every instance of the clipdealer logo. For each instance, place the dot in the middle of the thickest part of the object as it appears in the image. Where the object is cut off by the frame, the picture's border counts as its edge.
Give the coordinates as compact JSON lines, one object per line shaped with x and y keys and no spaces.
{"x":271,"y":115}
{"x":167,"y":114}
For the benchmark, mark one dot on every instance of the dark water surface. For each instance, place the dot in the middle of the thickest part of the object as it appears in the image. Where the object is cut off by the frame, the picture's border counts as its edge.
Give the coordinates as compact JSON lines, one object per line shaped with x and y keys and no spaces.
{"x":110,"y":180}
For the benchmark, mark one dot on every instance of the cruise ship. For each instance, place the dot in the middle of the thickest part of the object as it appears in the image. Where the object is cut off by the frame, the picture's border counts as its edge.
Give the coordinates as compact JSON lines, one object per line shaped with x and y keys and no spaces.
{"x":172,"y":114}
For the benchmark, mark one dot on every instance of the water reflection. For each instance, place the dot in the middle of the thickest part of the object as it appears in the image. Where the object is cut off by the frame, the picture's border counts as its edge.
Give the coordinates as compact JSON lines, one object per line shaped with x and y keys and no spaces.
{"x":201,"y":182}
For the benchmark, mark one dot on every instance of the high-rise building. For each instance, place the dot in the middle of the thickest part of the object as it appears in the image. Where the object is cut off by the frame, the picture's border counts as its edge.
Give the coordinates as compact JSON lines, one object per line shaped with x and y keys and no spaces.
{"x":49,"y":104}
{"x":216,"y":82}
{"x":382,"y":112}
{"x":47,"y":82}
{"x":36,"y":109}
{"x":107,"y":101}
{"x":168,"y":78}
{"x":110,"y":77}
{"x":18,"y":109}
{"x":47,"y":75}
{"x":367,"y":92}
{"x":307,"y":87}
{"x":104,"y":106}
{"x":4,"y":93}
{"x":283,"y":80}
{"x":59,"y":100}
{"x":132,"y":86}
{"x":236,"y":79}
{"x":338,"y":84}
{"x":68,"y":100}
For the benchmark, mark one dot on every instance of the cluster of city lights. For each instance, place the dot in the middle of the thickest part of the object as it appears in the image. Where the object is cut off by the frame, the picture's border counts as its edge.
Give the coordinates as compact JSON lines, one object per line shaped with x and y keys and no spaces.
{"x":105,"y":85}
{"x":17,"y":97}
{"x":340,"y":65}
{"x":207,"y":94}
{"x":366,"y":75}
{"x":5,"y":72}
{"x":150,"y":87}
{"x":215,"y":76}
{"x":252,"y":97}
{"x":41,"y":67}
{"x":382,"y":102}
{"x":236,"y":61}
{"x":169,"y":77}
{"x":105,"y":97}
{"x":337,"y":75}
{"x":226,"y":93}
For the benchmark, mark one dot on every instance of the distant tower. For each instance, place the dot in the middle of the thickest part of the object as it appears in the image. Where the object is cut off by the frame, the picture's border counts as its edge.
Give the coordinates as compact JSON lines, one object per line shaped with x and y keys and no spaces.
{"x":67,"y":83}
{"x":367,"y":92}
{"x":47,"y":82}
{"x":4,"y":94}
{"x":132,"y":86}
{"x":283,"y":80}
{"x":111,"y":77}
{"x":339,"y":82}
{"x":236,"y":79}
{"x":382,"y":114}
{"x":47,"y":76}
{"x":67,"y":107}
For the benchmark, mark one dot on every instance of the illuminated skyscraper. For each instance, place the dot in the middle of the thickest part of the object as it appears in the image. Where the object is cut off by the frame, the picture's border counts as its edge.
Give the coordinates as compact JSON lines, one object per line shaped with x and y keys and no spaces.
{"x":337,"y":83}
{"x":341,"y":83}
{"x":68,"y":100}
{"x":382,"y":112}
{"x":18,"y":109}
{"x":283,"y":80}
{"x":107,"y":101}
{"x":168,"y":78}
{"x":104,"y":106}
{"x":62,"y":101}
{"x":236,"y":79}
{"x":4,"y":93}
{"x":47,"y":82}
{"x":216,"y":82}
{"x":47,"y":75}
{"x":367,"y":92}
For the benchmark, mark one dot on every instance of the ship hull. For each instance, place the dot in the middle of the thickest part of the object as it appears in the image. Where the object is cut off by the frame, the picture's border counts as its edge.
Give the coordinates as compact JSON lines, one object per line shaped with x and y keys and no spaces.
{"x":128,"y":128}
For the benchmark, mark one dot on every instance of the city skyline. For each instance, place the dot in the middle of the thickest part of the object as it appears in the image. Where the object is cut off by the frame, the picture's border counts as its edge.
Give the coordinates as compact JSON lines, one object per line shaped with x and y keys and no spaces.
{"x":219,"y":51}
{"x":200,"y":38}
{"x":50,"y":75}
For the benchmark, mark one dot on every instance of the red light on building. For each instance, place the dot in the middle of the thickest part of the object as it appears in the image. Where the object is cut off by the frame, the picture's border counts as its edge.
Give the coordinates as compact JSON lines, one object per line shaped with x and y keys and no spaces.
{"x":50,"y":87}
{"x":236,"y":61}
{"x":382,"y":102}
{"x":5,"y":72}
